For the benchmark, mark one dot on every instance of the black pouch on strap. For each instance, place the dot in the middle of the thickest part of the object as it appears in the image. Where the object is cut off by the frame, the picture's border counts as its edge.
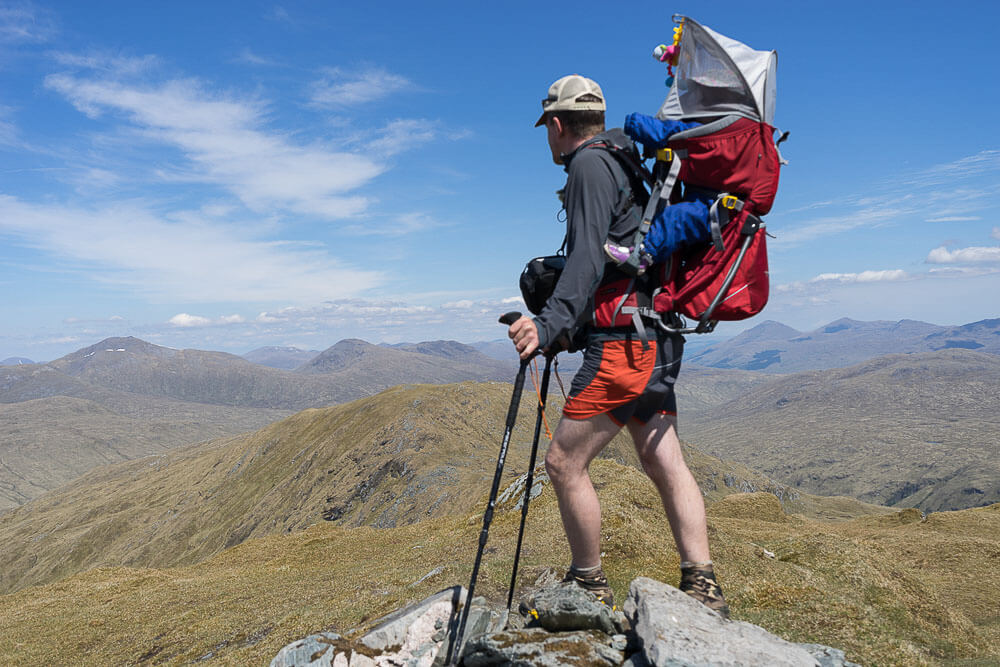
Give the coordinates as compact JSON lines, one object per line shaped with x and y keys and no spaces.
{"x":538,"y":280}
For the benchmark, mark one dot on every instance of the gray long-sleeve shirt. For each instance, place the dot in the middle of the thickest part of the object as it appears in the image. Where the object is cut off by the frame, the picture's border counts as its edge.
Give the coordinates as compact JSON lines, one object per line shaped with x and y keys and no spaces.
{"x":597,"y":199}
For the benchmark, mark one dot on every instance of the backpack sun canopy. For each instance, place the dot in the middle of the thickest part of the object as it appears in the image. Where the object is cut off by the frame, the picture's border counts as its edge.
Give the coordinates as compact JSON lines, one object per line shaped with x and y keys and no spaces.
{"x":719,"y":76}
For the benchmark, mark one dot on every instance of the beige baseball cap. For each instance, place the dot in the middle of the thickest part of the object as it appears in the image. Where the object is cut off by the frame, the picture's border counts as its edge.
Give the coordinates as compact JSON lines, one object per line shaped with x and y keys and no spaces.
{"x":572,"y":93}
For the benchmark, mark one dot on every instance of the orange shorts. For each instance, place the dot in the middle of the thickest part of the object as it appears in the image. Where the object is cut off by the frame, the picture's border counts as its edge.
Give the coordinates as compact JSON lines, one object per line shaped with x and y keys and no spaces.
{"x":620,"y":378}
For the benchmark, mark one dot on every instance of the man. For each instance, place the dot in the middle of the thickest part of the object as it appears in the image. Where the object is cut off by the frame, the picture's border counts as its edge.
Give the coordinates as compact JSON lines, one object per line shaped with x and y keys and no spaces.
{"x":622,"y":381}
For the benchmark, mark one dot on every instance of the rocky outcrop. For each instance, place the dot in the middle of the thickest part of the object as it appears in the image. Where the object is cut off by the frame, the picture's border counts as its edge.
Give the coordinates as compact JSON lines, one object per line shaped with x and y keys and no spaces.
{"x":560,"y":624}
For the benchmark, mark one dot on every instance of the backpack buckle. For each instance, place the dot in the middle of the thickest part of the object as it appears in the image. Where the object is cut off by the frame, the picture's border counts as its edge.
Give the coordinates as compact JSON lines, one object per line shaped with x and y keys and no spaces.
{"x":730,"y":201}
{"x":664,"y":155}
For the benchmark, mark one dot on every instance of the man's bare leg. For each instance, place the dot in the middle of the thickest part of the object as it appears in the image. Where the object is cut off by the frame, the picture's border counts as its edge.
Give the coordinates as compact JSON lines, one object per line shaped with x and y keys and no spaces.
{"x":659,"y":452}
{"x":574,"y":445}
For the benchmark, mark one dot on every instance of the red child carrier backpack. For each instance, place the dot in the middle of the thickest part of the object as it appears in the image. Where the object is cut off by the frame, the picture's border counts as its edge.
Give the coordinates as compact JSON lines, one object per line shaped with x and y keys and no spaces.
{"x":731,"y":89}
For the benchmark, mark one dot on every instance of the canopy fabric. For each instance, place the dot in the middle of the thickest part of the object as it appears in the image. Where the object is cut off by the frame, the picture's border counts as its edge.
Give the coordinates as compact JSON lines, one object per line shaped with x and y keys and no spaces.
{"x":717,"y":76}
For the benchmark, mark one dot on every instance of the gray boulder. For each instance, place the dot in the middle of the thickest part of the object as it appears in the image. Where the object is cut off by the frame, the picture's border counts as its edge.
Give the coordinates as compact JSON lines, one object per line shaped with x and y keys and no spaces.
{"x":315,"y":651}
{"x":565,"y":607}
{"x":537,"y":647}
{"x":416,"y":636}
{"x":675,"y":630}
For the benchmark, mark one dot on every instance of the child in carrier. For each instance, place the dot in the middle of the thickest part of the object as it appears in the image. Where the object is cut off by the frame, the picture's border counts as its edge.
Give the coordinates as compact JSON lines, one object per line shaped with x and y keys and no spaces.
{"x":677,"y":225}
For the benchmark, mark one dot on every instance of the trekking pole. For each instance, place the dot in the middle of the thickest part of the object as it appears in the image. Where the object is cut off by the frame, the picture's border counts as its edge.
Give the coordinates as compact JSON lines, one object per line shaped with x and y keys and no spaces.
{"x":455,"y":645}
{"x":542,"y":399}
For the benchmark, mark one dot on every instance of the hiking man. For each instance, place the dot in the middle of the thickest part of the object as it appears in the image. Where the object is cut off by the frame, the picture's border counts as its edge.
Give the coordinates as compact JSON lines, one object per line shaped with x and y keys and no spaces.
{"x":622,"y":381}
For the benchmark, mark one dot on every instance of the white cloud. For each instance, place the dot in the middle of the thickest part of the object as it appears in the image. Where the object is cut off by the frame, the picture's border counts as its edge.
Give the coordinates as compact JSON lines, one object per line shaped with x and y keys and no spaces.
{"x":972,"y":255}
{"x":185,"y":320}
{"x":223,"y":137}
{"x":995,"y":233}
{"x":338,"y":88}
{"x":862,"y":277}
{"x":184,"y":259}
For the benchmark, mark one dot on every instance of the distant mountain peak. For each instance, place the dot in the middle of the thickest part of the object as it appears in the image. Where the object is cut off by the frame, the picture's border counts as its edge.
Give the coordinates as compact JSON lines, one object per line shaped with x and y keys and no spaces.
{"x":338,"y":356}
{"x":117,"y":344}
{"x":16,"y":361}
{"x":770,"y":329}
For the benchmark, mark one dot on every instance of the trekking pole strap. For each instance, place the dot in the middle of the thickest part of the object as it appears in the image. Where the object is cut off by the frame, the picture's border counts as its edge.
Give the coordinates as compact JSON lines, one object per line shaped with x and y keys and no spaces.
{"x":529,"y":480}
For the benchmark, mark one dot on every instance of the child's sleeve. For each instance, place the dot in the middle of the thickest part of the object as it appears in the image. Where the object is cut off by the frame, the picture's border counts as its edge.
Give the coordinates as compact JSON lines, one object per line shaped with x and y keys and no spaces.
{"x":682,"y":224}
{"x":652,"y":132}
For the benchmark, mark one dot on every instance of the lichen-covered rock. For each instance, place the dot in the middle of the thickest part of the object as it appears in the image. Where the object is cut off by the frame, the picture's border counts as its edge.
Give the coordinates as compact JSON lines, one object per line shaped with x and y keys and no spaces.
{"x":416,"y":636}
{"x":673,"y":629}
{"x":537,"y":647}
{"x":828,"y":657}
{"x":565,"y":606}
{"x":315,"y":651}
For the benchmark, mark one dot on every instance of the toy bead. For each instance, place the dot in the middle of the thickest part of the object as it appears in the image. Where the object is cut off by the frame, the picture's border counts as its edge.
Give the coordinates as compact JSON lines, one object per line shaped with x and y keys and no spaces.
{"x":669,"y":82}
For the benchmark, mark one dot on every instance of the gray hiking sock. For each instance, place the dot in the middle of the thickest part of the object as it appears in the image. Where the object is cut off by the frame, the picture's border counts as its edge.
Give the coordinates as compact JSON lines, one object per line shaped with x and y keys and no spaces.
{"x":685,"y":564}
{"x":586,"y":571}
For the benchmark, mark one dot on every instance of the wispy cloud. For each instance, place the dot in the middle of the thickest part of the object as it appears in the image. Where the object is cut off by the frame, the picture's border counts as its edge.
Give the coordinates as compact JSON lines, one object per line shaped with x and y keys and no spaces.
{"x":995,"y":233}
{"x":23,"y":22}
{"x":224,"y":139}
{"x":109,"y":63}
{"x":248,"y":57}
{"x":402,"y":134}
{"x":971,"y":255}
{"x":956,"y":218}
{"x":339,"y":88}
{"x":954,"y":192}
{"x":182,"y":259}
{"x":862,"y":277}
{"x":407,"y":223}
{"x":461,"y":317}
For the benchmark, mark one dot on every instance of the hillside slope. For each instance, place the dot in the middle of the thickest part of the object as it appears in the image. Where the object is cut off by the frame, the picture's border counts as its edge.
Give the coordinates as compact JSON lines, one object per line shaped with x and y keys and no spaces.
{"x":889,"y":590}
{"x":47,"y":442}
{"x":404,"y":455}
{"x":914,"y":430}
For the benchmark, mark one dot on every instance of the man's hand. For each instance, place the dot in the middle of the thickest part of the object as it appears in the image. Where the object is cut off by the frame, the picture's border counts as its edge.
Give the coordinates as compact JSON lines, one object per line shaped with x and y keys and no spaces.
{"x":525,"y":336}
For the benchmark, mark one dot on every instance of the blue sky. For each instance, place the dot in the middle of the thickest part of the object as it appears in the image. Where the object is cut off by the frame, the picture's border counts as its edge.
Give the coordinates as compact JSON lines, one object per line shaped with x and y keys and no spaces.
{"x":227,"y":175}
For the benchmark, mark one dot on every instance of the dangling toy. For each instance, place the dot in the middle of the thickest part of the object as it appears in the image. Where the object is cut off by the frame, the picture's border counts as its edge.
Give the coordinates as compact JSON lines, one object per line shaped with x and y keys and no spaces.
{"x":670,"y":54}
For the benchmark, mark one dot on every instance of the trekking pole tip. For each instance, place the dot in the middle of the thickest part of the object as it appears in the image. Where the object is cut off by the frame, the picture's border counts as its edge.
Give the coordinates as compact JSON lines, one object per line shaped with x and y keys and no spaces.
{"x":510,"y":318}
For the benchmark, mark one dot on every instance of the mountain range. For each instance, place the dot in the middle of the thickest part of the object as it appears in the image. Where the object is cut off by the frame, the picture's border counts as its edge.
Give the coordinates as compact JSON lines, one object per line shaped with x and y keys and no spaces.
{"x":123,"y":398}
{"x":911,"y":430}
{"x":773,"y":347}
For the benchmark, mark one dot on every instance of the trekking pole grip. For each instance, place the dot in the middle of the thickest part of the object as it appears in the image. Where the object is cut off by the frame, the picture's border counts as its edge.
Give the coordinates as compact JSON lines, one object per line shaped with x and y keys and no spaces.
{"x":510,"y":318}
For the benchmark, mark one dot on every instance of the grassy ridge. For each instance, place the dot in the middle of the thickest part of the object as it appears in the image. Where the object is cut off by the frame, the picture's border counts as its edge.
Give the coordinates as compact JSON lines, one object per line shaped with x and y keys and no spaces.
{"x":407,"y":454}
{"x":889,"y":589}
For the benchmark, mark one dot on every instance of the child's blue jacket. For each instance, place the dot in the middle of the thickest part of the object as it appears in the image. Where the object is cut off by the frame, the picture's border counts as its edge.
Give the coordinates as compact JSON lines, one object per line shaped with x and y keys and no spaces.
{"x":686,"y":222}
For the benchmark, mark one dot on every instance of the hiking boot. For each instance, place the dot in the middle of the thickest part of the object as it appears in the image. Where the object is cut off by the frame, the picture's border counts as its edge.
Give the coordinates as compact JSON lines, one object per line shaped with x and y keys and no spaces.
{"x":595,"y":583}
{"x":699,"y":582}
